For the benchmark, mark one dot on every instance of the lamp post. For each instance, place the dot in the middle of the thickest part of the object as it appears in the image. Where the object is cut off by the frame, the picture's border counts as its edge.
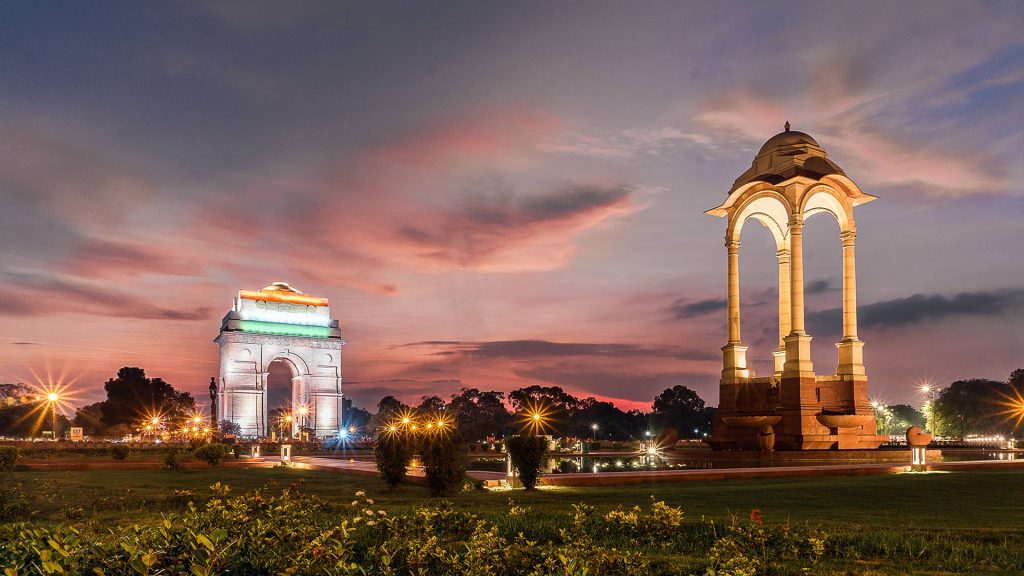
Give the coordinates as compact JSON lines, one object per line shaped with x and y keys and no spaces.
{"x":594,"y":427}
{"x":302,"y":412}
{"x":52,"y":398}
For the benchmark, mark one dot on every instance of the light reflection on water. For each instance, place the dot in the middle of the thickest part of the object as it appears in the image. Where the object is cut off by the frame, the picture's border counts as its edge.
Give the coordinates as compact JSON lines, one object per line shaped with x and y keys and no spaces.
{"x":710,"y":460}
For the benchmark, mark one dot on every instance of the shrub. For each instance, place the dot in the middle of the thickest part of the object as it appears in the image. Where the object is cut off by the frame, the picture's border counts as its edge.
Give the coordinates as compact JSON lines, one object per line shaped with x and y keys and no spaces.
{"x":171,"y":459}
{"x":237,"y":450}
{"x":595,"y":446}
{"x":393,"y":450}
{"x":119,"y":451}
{"x":526,"y":453}
{"x":8,"y":455}
{"x":210,"y":453}
{"x":444,"y":462}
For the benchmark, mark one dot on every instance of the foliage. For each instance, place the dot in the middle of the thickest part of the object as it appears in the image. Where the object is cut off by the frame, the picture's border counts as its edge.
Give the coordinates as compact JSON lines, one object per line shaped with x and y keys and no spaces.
{"x":480,"y":414}
{"x":210,"y":453}
{"x":355,"y":417}
{"x":171,"y":459}
{"x":389,"y":406}
{"x":8,"y":456}
{"x":119,"y":451}
{"x":443,"y":453}
{"x":228,"y":427}
{"x":680,"y":408}
{"x":973,"y":406}
{"x":393,"y":450}
{"x":132,"y":394}
{"x":526,"y":452}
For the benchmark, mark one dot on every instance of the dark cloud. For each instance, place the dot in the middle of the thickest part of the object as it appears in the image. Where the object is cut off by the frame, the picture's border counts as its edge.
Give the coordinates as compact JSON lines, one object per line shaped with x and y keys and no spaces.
{"x":818,"y":286}
{"x":918,"y":308}
{"x":682,"y":309}
{"x":635,"y":386}
{"x":38,"y":295}
{"x":520,"y":349}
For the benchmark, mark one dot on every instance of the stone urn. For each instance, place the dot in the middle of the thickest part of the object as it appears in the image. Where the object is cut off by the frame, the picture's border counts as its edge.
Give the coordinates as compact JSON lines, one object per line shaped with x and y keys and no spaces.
{"x":766,"y":439}
{"x":918,"y":438}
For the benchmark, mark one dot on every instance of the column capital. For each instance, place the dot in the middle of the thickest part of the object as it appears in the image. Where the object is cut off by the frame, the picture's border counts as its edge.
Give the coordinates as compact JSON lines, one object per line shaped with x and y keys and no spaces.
{"x":783,"y":254}
{"x":848,"y":237}
{"x":796,"y":223}
{"x":732,"y":245}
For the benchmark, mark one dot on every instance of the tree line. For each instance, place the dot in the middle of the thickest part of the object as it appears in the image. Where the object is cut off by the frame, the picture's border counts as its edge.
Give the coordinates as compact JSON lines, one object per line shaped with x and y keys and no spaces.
{"x":963,"y":408}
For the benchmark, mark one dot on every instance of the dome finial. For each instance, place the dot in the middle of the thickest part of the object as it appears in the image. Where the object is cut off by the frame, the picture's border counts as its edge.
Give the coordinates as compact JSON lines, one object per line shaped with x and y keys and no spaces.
{"x":787,"y":125}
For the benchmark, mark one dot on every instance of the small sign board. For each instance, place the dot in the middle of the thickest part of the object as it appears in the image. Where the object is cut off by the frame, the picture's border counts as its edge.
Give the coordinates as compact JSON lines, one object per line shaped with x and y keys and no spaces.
{"x":76,"y":434}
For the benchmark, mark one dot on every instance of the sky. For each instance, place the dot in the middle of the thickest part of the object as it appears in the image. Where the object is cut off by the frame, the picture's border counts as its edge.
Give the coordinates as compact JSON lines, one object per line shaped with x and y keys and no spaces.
{"x":501,"y":194}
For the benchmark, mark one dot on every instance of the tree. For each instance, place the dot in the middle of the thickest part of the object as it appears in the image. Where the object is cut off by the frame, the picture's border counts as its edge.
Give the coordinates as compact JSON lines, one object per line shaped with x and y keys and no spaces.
{"x":430,"y":405}
{"x":480,"y":414}
{"x":905,"y":416}
{"x":680,"y":408}
{"x":526,"y":452}
{"x":444,"y":458}
{"x":132,"y":395}
{"x":227,"y":427}
{"x":89,"y":419}
{"x":355,"y":417}
{"x":389,"y":406}
{"x":393,"y":451}
{"x":975,"y":406}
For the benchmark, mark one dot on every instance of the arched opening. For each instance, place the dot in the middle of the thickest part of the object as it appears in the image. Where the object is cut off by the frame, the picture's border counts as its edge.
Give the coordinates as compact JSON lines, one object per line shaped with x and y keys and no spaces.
{"x":823,"y":286}
{"x":759,"y":296}
{"x":282,"y":398}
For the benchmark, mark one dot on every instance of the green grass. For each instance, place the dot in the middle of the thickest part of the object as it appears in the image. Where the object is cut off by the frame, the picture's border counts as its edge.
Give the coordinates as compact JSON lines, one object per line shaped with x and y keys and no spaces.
{"x":962,"y":522}
{"x":982,"y":500}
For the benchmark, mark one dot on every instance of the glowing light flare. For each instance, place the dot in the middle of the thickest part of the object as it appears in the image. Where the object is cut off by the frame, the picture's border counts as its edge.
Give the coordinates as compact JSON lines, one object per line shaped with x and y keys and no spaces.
{"x":1013,"y":407}
{"x":535,"y":418}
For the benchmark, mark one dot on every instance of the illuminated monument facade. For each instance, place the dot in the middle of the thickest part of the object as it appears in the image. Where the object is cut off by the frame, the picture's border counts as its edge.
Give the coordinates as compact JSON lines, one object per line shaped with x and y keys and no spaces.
{"x":280,"y":324}
{"x":791,"y":180}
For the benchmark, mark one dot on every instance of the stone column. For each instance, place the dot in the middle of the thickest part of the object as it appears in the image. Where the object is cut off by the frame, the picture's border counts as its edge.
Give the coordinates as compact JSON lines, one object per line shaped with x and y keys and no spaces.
{"x":851,"y":349}
{"x":733,"y":247}
{"x":734,"y":353}
{"x":784,"y":309}
{"x":796,"y":276}
{"x":849,"y":286}
{"x":798,"y":343}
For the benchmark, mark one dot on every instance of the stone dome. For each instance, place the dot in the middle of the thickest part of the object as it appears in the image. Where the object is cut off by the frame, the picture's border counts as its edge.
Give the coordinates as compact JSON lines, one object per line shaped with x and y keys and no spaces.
{"x":787,"y":138}
{"x":787,"y":154}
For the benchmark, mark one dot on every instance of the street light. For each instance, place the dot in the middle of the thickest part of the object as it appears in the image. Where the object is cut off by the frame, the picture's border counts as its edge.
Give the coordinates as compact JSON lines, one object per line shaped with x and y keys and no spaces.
{"x":594,"y":428}
{"x":52,"y":398}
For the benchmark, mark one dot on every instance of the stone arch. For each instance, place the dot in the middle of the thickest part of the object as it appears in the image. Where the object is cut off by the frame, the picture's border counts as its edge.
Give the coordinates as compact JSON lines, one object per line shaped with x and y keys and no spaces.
{"x":825,"y":199}
{"x":294,"y":361}
{"x":766,"y":204}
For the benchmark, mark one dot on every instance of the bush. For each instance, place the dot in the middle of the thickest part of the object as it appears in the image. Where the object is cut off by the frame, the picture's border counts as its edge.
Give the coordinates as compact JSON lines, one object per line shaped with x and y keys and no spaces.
{"x":171,"y":459}
{"x":210,"y":453}
{"x":237,"y":450}
{"x":119,"y":451}
{"x":526,"y":453}
{"x":595,"y":446}
{"x":393,"y":450}
{"x":8,"y":455}
{"x":443,"y":454}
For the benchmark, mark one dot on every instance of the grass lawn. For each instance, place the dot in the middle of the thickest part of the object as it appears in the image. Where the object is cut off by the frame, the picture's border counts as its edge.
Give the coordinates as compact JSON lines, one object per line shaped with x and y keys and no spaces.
{"x":898,"y":524}
{"x":972,"y":501}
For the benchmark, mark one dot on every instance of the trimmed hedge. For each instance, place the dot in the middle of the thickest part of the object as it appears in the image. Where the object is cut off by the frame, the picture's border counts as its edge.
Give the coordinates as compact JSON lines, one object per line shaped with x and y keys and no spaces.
{"x":526,"y":453}
{"x":210,"y":453}
{"x":8,"y":456}
{"x":119,"y":451}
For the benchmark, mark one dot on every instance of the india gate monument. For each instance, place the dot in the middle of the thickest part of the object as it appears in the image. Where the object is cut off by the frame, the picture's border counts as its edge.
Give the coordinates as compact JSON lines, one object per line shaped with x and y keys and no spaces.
{"x":280,"y":324}
{"x":795,"y":408}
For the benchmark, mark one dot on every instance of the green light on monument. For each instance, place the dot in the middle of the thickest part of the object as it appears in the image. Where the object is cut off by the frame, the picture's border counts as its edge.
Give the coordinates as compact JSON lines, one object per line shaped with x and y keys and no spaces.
{"x":285,"y":329}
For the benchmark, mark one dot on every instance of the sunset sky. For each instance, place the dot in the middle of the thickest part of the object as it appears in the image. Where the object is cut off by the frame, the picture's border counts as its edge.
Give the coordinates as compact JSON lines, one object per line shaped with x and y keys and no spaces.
{"x":495,"y":195}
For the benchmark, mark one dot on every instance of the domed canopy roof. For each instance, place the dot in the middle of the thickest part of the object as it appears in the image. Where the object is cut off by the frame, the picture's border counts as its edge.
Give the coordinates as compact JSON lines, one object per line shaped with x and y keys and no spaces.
{"x":787,"y":138}
{"x":787,"y":154}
